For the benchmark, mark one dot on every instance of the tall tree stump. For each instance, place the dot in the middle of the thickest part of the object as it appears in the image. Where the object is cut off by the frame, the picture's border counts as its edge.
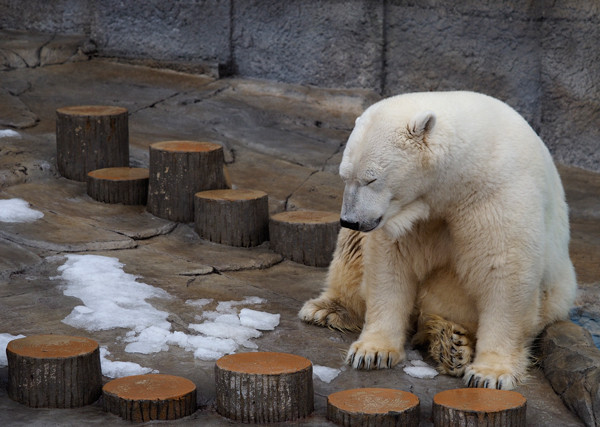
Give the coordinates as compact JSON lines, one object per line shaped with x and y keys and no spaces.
{"x":373,"y":407}
{"x":475,"y":407}
{"x":119,"y":185}
{"x":178,"y":170}
{"x":142,"y":398}
{"x":54,"y":371}
{"x":307,"y":237}
{"x":264,"y":387}
{"x":91,"y":137}
{"x":232,"y":217}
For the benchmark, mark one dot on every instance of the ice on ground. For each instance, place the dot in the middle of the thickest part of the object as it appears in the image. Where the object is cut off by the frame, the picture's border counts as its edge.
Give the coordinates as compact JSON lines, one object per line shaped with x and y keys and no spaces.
{"x":118,"y":369}
{"x":324,"y":373}
{"x":4,"y":340}
{"x":259,"y":319}
{"x":9,"y":133}
{"x":420,"y":369}
{"x":17,"y":210}
{"x":114,"y":299}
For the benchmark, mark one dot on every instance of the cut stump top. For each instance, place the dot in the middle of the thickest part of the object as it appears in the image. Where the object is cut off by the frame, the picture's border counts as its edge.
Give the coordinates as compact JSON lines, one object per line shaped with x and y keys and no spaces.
{"x":306,"y":217}
{"x":263,"y":363}
{"x":92,"y":110}
{"x":120,"y":173}
{"x":480,"y":399}
{"x":52,"y":346}
{"x":150,"y":387}
{"x":373,"y":400}
{"x":231,"y":195}
{"x":185,"y":146}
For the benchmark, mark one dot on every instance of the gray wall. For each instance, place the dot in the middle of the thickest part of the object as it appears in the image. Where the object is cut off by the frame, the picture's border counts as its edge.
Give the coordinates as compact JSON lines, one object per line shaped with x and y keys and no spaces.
{"x":541,"y":56}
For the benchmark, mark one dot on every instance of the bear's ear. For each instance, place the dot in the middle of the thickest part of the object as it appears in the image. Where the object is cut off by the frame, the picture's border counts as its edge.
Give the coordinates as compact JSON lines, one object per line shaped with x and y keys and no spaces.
{"x":421,"y":123}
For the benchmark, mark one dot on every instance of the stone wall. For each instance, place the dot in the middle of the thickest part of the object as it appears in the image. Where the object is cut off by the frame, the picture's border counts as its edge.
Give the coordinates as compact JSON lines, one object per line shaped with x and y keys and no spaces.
{"x":540,"y":56}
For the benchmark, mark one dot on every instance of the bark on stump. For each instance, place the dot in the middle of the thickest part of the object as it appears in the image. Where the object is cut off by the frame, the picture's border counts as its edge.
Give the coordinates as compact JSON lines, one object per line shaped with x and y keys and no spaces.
{"x":475,"y":407}
{"x":178,"y":170}
{"x":232,"y":217}
{"x":307,"y":237}
{"x":142,"y":398}
{"x":91,"y":137}
{"x":54,"y":371}
{"x":119,"y":185}
{"x":373,"y":407}
{"x":264,"y":387}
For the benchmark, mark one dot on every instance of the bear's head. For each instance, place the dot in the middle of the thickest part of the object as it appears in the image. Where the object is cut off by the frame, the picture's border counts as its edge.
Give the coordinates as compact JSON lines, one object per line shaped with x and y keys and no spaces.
{"x":387,"y":166}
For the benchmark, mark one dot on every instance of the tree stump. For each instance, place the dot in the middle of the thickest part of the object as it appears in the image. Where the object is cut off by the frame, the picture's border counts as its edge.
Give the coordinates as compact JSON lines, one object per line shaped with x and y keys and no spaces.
{"x":178,"y":170}
{"x":373,"y":407}
{"x":475,"y":407}
{"x":142,"y":398}
{"x":119,"y":185}
{"x":307,"y":237}
{"x":91,"y":137}
{"x":54,"y":371}
{"x":232,"y":217}
{"x":264,"y":387}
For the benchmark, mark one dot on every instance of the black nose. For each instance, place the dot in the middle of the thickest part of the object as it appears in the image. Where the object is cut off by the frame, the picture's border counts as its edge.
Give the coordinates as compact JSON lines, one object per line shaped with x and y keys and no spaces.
{"x":350,"y":225}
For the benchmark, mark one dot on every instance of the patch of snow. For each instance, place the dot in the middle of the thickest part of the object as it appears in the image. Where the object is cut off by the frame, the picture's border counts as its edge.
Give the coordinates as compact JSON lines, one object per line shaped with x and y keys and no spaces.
{"x":199,"y":302}
{"x":420,"y":369}
{"x":17,"y":210}
{"x":4,"y":340}
{"x":118,"y":369}
{"x":9,"y":133}
{"x":259,"y":319}
{"x":324,"y":373}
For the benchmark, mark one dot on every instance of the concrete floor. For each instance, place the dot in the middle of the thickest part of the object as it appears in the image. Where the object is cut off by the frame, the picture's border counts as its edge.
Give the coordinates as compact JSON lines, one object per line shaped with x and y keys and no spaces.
{"x":284,"y":140}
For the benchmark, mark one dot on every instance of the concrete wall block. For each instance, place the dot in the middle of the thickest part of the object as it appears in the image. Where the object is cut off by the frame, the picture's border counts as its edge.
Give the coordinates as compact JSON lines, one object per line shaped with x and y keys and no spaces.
{"x":56,"y":16}
{"x":192,"y":30}
{"x":437,"y":49}
{"x":332,"y":43}
{"x":571,"y":94}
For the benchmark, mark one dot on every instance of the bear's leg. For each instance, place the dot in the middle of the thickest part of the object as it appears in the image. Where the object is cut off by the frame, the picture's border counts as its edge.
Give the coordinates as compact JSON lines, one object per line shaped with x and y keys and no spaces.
{"x":448,"y":343}
{"x":390,"y":293}
{"x":341,"y":305}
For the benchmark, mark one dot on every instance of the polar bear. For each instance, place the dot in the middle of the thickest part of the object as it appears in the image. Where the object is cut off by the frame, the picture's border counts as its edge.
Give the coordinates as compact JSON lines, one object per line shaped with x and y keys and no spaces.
{"x":455,"y":223}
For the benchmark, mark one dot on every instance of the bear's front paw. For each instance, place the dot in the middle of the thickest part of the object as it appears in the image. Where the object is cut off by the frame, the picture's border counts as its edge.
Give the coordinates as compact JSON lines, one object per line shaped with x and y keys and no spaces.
{"x":329,"y":313}
{"x":491,"y":370}
{"x":365,"y":355}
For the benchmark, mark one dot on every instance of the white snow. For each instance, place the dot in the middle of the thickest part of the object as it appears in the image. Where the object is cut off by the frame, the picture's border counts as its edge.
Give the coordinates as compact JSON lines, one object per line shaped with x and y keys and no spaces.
{"x":17,"y":210}
{"x":114,"y":299}
{"x":324,"y":373}
{"x":118,"y":369}
{"x":6,"y":133}
{"x":420,"y":369}
{"x":4,"y":340}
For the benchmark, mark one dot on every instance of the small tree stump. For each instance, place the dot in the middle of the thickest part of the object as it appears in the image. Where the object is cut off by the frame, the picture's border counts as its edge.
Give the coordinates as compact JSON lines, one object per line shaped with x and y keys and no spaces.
{"x":119,"y":185}
{"x":54,"y":371}
{"x":141,"y":398}
{"x":307,"y":237}
{"x":373,"y":407}
{"x":232,"y":217}
{"x":475,"y":407}
{"x":264,"y":387}
{"x":178,"y":170}
{"x":90,"y":137}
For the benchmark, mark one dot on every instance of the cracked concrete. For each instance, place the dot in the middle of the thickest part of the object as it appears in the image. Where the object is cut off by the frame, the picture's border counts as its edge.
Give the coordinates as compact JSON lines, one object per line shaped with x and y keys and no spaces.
{"x":282,"y":139}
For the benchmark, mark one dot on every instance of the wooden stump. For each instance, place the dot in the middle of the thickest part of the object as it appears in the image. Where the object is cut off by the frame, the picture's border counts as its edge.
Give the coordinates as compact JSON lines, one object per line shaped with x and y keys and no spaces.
{"x":54,"y":371}
{"x":178,"y":170}
{"x":475,"y":407}
{"x":142,"y":398}
{"x":307,"y":237}
{"x":232,"y":217}
{"x":119,"y":185}
{"x":91,"y":137}
{"x":373,"y":407}
{"x":264,"y":387}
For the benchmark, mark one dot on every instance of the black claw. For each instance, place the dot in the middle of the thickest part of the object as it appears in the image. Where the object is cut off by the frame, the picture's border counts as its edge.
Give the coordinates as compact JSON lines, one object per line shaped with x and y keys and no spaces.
{"x":389,"y":362}
{"x":368,"y":363}
{"x":486,"y":383}
{"x":378,"y":361}
{"x":499,"y":385}
{"x":361,"y":360}
{"x":351,"y":360}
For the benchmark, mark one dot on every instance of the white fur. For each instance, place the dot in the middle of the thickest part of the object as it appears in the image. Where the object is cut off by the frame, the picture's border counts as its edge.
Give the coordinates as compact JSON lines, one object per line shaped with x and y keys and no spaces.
{"x":465,"y":218}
